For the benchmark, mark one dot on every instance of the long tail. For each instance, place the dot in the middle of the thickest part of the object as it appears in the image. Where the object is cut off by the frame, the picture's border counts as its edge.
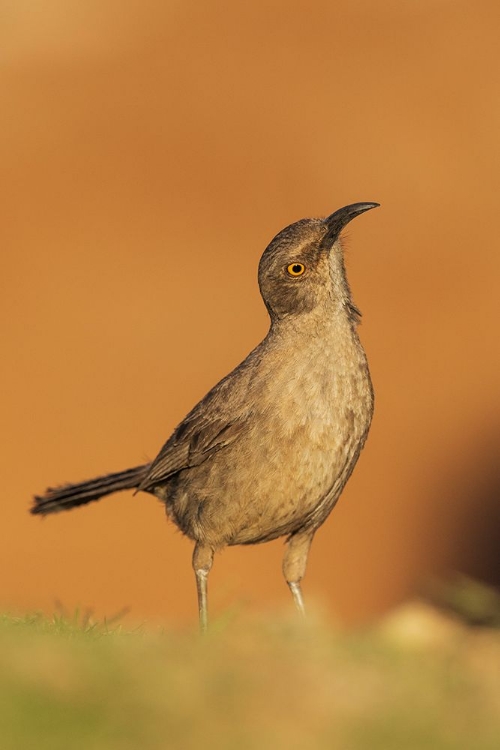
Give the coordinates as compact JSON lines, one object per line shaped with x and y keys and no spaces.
{"x":70,"y":495}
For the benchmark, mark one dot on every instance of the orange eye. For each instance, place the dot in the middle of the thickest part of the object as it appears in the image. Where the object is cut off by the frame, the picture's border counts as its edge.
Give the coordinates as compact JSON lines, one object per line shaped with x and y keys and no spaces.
{"x":296,"y":269}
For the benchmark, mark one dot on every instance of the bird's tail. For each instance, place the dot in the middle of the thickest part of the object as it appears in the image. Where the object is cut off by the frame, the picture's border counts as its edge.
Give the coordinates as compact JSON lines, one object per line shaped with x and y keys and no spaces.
{"x":70,"y":495}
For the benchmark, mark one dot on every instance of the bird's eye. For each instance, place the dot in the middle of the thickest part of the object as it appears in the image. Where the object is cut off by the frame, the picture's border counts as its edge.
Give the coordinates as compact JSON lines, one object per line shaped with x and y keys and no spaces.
{"x":296,"y":269}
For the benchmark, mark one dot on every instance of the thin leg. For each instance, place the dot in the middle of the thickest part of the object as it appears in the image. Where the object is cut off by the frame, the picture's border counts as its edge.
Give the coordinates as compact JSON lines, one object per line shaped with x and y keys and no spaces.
{"x":297,"y":596}
{"x":203,"y":558}
{"x":294,"y":565}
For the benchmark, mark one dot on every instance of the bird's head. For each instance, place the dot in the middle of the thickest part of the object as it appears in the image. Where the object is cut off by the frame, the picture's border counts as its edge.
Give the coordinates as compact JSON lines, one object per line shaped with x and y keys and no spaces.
{"x":302,"y":268}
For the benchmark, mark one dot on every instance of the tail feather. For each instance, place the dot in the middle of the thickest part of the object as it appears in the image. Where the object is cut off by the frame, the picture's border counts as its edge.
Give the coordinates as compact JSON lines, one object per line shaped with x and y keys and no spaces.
{"x":71,"y":495}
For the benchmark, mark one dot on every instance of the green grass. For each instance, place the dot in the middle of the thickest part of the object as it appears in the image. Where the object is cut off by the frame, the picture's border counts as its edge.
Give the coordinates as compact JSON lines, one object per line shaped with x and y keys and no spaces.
{"x":71,"y":683}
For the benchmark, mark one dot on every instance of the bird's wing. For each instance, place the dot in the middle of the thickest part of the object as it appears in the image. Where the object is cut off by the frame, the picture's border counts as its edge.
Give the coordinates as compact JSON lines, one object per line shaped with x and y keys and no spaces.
{"x":190,"y":445}
{"x":219,"y":419}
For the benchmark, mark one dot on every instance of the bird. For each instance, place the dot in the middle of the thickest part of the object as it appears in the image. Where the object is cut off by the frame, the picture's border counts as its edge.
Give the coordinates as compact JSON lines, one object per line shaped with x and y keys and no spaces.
{"x":267,"y":452}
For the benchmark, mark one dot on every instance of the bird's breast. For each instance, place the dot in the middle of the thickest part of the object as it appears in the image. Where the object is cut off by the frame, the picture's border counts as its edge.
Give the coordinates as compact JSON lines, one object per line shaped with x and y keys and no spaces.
{"x":307,"y":420}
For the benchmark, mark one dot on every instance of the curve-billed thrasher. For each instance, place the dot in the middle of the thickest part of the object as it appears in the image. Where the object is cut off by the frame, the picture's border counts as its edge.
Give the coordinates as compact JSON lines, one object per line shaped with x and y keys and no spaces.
{"x":269,"y":449}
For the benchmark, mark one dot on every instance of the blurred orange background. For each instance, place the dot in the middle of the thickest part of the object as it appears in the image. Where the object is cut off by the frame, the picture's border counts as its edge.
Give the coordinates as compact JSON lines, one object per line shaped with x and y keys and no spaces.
{"x":150,"y":151}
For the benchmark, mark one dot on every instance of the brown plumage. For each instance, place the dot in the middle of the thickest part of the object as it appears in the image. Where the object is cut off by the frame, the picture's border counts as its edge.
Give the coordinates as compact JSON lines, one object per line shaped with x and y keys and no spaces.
{"x":269,"y":449}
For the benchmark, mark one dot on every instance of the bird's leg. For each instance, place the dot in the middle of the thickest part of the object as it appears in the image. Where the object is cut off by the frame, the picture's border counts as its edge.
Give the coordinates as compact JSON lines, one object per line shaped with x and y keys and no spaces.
{"x":203,"y":558}
{"x":294,"y":564}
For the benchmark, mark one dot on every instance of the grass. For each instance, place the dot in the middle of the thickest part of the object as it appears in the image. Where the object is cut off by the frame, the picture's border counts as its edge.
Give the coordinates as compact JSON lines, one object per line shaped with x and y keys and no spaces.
{"x":418,"y":680}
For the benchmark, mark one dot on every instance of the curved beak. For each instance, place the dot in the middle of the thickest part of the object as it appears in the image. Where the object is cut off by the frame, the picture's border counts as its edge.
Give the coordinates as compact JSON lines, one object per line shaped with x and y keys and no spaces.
{"x":338,"y":220}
